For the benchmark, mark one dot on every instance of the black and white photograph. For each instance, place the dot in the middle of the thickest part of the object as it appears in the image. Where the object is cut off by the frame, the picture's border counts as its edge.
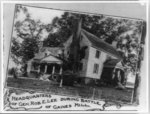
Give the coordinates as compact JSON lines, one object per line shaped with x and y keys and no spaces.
{"x":74,"y":54}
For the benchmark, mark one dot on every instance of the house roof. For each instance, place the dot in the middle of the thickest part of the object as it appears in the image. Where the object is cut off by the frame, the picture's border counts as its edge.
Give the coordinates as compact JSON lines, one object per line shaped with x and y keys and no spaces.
{"x":51,"y":59}
{"x":100,"y":44}
{"x":113,"y":63}
{"x":42,"y":58}
{"x":52,"y":50}
{"x":39,"y":56}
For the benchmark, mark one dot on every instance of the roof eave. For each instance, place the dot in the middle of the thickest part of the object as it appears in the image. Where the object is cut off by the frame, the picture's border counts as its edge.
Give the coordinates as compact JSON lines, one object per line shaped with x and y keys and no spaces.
{"x":116,"y":56}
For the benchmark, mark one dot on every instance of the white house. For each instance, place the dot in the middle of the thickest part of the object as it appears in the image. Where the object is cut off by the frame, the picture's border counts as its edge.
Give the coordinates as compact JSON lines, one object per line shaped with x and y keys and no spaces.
{"x":96,"y":53}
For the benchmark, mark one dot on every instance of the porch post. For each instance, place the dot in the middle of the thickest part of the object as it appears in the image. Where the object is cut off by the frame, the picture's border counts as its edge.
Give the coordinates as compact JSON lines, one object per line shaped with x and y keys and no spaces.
{"x":39,"y":69}
{"x":60,"y":72}
{"x":53,"y":69}
{"x":45,"y":69}
{"x":61,"y":81}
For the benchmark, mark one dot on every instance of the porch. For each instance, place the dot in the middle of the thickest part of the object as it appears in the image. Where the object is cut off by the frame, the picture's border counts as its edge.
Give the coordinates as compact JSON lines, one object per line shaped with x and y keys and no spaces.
{"x":47,"y":65}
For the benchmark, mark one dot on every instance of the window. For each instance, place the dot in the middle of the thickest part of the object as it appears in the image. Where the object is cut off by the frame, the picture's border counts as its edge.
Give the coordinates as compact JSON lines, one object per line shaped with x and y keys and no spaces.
{"x":46,"y":54}
{"x":80,"y":66}
{"x":97,"y":54}
{"x":35,"y":65}
{"x":96,"y":67}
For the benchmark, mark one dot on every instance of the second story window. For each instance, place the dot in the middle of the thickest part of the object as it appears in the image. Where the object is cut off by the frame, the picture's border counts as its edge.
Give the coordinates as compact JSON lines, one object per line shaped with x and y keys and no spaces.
{"x":80,"y":66}
{"x":97,"y":54}
{"x":46,"y":54}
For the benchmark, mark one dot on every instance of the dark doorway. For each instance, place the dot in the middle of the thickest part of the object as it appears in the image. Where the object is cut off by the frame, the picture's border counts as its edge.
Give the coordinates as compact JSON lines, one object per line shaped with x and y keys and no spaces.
{"x":57,"y":68}
{"x":42,"y":67}
{"x":50,"y":68}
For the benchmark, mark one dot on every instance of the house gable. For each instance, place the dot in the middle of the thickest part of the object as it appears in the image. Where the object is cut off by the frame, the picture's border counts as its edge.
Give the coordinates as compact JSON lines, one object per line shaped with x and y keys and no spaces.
{"x":51,"y":59}
{"x":101,"y":45}
{"x":45,"y":51}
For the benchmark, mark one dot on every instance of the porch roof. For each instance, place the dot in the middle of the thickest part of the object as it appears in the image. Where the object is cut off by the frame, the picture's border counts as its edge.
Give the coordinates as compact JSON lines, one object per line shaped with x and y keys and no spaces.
{"x":113,"y":63}
{"x":39,"y":56}
{"x":51,"y":59}
{"x":51,"y":50}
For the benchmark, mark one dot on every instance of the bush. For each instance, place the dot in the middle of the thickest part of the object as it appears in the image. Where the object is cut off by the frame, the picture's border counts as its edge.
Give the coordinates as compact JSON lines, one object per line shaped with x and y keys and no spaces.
{"x":13,"y":71}
{"x":68,"y":78}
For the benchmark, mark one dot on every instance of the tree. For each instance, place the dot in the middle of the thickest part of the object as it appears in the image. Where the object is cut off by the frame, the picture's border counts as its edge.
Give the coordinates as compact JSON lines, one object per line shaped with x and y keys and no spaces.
{"x":15,"y":51}
{"x":53,"y":40}
{"x":62,"y":28}
{"x":28,"y":49}
{"x":27,"y":35}
{"x":129,"y":45}
{"x":125,"y":31}
{"x":105,"y":28}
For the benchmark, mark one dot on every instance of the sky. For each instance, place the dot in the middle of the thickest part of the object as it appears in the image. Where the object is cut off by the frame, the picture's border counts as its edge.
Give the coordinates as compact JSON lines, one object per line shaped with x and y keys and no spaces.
{"x":44,"y":15}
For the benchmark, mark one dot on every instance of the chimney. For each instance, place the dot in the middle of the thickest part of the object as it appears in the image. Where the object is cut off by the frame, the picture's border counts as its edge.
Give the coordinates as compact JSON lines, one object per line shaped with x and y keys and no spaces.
{"x":77,"y":30}
{"x":75,"y":46}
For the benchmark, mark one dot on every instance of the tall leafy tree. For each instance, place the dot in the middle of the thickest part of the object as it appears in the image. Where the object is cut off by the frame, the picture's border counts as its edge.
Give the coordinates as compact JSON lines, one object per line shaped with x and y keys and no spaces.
{"x":27,"y":35}
{"x":28,"y":48}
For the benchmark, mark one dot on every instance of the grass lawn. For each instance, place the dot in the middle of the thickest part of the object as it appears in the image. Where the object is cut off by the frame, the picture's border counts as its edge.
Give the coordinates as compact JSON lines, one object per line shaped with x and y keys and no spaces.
{"x":107,"y":93}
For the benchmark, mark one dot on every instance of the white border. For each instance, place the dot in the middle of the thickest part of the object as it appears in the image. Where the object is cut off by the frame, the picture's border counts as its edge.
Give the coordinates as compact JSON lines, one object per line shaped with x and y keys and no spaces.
{"x":2,"y":79}
{"x":147,"y":47}
{"x":83,"y":1}
{"x":63,"y":2}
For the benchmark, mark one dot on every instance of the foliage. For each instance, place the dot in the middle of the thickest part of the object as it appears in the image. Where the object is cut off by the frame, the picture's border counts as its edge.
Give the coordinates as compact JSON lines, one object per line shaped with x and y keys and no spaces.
{"x":63,"y":29}
{"x":15,"y":50}
{"x":106,"y":28}
{"x":52,"y":40}
{"x":29,"y":33}
{"x":125,"y":31}
{"x":13,"y":71}
{"x":129,"y":45}
{"x":28,"y":49}
{"x":27,"y":36}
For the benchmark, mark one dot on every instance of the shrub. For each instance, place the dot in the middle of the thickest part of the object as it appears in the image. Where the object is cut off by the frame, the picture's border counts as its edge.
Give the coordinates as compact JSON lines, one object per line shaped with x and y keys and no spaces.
{"x":13,"y":71}
{"x":68,"y":78}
